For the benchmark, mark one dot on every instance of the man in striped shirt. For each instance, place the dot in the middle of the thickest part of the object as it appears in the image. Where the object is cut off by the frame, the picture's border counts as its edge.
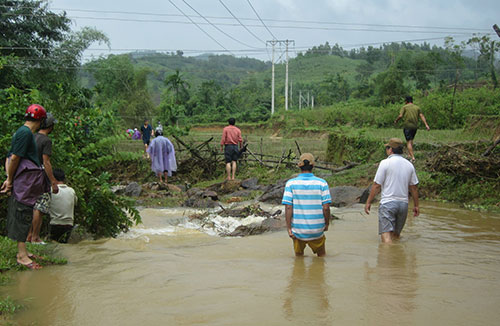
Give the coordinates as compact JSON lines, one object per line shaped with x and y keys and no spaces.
{"x":307,"y":208}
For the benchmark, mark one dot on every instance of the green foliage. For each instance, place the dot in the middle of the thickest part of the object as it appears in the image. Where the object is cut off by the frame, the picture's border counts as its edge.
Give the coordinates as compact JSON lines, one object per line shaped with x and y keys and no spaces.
{"x":354,"y":147}
{"x":83,"y":142}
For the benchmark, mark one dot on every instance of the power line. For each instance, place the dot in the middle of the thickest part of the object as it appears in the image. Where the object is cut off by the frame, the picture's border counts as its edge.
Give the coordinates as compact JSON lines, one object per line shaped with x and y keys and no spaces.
{"x":270,"y":20}
{"x":222,"y":46}
{"x":220,"y":30}
{"x":239,"y":21}
{"x":255,"y":11}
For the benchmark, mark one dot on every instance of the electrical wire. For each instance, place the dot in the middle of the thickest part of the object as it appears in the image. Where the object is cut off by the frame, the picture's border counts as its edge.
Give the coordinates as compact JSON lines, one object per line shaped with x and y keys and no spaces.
{"x":257,"y":14}
{"x":205,"y":32}
{"x":217,"y":28}
{"x":243,"y":25}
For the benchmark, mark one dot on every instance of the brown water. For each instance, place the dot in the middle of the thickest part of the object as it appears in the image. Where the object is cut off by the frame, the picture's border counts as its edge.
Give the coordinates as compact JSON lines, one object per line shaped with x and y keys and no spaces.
{"x":445,"y":271}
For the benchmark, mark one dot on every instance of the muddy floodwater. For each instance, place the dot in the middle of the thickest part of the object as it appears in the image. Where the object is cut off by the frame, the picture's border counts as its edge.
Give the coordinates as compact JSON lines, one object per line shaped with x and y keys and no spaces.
{"x":169,"y":271}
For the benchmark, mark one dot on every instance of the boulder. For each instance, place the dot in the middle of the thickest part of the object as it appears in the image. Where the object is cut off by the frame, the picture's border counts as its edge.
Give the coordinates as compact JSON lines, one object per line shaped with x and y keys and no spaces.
{"x":268,"y":225}
{"x":133,"y":190}
{"x":241,"y":193}
{"x":251,"y":184}
{"x":118,"y":189}
{"x":226,"y":187}
{"x":79,"y":234}
{"x":210,"y":194}
{"x":345,"y":195}
{"x":198,"y":202}
{"x":274,"y":193}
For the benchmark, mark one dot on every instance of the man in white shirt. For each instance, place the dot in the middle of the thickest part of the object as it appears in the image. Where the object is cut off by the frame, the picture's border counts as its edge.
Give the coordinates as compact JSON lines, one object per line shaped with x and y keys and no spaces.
{"x":395,"y":177}
{"x":62,"y":207}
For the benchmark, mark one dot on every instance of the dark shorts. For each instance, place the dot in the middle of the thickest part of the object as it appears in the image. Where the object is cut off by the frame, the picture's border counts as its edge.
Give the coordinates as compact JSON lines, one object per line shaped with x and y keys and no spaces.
{"x":146,"y":141}
{"x":409,"y":133}
{"x":231,"y":153}
{"x":60,"y":233}
{"x":19,"y":219}
{"x":392,"y":217}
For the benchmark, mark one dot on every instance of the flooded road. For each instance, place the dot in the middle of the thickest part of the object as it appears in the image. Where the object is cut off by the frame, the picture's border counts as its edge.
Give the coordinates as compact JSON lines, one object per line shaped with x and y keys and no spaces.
{"x":445,"y":271}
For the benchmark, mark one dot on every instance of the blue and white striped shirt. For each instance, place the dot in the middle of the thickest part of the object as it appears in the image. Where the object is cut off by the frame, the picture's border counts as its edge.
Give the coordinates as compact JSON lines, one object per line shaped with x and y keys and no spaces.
{"x":307,"y":194}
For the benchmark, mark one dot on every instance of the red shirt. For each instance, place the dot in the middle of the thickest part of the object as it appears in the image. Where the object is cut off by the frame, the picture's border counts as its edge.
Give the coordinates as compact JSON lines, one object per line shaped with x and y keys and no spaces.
{"x":231,"y":135}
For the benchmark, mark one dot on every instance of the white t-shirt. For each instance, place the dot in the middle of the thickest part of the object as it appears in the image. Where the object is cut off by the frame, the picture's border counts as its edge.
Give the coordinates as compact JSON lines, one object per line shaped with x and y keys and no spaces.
{"x":62,"y":206}
{"x":395,"y":174}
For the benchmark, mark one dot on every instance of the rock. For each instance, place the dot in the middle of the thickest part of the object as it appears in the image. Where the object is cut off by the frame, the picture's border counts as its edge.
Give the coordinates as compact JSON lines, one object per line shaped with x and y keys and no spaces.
{"x":226,"y":187}
{"x":210,"y":194}
{"x":241,"y":193}
{"x":274,"y":194}
{"x":345,"y":195}
{"x":173,"y":188}
{"x":194,"y":192}
{"x":201,"y":203}
{"x":133,"y":189}
{"x":268,"y":225}
{"x":79,"y":234}
{"x":250,"y":184}
{"x":365,"y":194}
{"x":118,"y":189}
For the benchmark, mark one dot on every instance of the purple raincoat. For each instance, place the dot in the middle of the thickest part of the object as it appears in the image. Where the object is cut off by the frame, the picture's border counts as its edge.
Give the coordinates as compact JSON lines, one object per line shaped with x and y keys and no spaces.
{"x":162,"y":155}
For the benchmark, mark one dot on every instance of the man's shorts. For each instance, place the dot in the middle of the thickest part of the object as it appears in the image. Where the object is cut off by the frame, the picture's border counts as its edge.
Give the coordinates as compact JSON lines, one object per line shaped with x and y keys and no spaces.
{"x":315,"y":245}
{"x":60,"y":233}
{"x":392,"y":217}
{"x":19,"y":219}
{"x":409,"y":133}
{"x":146,"y":141}
{"x":43,"y":203}
{"x":231,"y":153}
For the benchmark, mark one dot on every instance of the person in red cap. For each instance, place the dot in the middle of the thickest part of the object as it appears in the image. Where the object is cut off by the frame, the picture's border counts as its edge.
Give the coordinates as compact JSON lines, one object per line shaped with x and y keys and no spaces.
{"x":395,"y":177}
{"x":26,"y":182}
{"x":42,"y":205}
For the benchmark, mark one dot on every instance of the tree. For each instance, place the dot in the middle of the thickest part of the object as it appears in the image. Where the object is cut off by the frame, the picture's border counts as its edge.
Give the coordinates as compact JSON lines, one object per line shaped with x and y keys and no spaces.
{"x":390,"y":86}
{"x":487,"y":50}
{"x":40,"y":48}
{"x":179,"y":86}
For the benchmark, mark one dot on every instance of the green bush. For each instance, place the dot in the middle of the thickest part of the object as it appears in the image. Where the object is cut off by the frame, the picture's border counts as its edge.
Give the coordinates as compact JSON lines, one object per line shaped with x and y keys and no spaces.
{"x":83,"y":141}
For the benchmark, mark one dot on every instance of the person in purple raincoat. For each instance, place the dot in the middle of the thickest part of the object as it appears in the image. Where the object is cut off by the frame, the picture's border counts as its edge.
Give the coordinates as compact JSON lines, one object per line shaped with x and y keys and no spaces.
{"x":162,"y":153}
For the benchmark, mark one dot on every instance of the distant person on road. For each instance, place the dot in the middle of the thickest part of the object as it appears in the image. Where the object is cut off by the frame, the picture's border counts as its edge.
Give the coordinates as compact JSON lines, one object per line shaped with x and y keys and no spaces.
{"x":147,"y":132}
{"x":162,"y":154}
{"x":44,"y":149}
{"x":62,"y":209}
{"x":307,"y":208}
{"x":395,"y":177}
{"x":231,"y":143}
{"x":26,"y":181}
{"x":410,"y":114}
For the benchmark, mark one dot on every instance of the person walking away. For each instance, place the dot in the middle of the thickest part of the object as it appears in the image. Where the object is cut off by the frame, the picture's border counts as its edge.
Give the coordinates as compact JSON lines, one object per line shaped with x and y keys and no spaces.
{"x":44,"y":149}
{"x":307,"y":208}
{"x":395,"y":177}
{"x":410,"y":114}
{"x":147,"y":132}
{"x":231,"y":142}
{"x":162,"y":154}
{"x":62,"y":208}
{"x":25,"y":181}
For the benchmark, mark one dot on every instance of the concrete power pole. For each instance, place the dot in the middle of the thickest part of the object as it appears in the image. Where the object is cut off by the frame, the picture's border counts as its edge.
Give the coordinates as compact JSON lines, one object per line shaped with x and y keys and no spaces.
{"x":287,"y":42}
{"x":273,"y":44}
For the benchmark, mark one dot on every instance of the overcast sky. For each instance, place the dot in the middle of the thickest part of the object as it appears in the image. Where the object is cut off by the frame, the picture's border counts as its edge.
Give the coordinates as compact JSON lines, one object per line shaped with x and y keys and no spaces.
{"x":159,"y":25}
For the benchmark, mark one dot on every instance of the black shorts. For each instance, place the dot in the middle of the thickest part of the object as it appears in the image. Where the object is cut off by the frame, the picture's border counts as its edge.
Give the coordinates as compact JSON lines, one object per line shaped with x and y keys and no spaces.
{"x":146,"y":142}
{"x":60,"y":233}
{"x":409,"y":133}
{"x":231,"y":153}
{"x":19,"y":219}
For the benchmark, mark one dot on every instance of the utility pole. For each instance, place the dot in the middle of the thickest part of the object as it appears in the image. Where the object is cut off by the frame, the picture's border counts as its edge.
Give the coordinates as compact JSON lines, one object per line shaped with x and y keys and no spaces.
{"x":273,"y":44}
{"x":497,"y":29}
{"x":291,"y":93}
{"x":300,"y":100}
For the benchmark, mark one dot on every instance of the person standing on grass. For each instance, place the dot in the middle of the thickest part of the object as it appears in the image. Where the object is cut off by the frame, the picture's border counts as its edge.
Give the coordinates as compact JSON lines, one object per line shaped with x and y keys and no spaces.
{"x":62,"y":209}
{"x":395,"y":177}
{"x":162,"y":154}
{"x":26,"y":181}
{"x":410,"y":114}
{"x":147,"y":132}
{"x":231,"y":142}
{"x":44,"y":149}
{"x":307,"y":208}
